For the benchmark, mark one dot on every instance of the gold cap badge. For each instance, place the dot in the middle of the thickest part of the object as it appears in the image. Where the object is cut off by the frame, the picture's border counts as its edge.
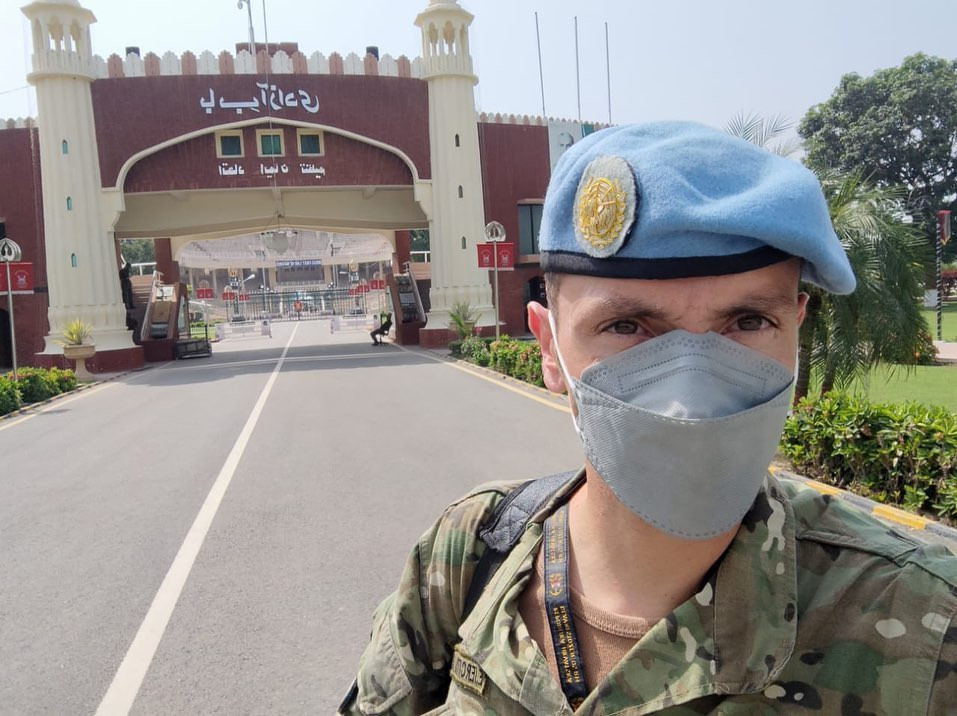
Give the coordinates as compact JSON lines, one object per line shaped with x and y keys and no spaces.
{"x":604,"y":206}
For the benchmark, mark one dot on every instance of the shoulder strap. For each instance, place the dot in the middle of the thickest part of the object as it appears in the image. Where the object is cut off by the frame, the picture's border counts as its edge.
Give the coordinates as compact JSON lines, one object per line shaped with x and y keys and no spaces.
{"x":504,"y":527}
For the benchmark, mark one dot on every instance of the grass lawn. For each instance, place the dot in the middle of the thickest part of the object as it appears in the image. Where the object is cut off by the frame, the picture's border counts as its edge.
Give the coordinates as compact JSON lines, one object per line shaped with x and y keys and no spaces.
{"x":949,"y":332}
{"x":929,"y":384}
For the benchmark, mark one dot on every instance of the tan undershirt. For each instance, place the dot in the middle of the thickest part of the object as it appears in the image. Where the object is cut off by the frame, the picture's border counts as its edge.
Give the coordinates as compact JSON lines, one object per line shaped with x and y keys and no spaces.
{"x":603,"y":637}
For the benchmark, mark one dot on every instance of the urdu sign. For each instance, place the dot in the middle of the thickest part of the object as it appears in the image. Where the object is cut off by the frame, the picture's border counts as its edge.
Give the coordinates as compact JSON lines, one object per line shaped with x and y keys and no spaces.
{"x":271,"y":98}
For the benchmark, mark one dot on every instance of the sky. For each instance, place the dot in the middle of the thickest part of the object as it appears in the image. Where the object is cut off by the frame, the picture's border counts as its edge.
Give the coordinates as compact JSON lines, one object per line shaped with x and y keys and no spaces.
{"x":698,"y":60}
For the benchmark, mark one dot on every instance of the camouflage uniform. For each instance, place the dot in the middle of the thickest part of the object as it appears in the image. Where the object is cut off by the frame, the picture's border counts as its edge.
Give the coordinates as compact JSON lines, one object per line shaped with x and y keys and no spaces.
{"x":814,"y":607}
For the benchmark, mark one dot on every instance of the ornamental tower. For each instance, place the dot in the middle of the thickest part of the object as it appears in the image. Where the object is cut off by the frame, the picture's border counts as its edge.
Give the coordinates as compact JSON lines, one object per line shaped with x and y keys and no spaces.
{"x":81,"y":261}
{"x":457,"y":221}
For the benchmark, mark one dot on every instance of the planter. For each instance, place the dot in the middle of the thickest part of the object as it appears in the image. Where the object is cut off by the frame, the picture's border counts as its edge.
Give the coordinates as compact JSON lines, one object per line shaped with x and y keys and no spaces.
{"x":80,"y":353}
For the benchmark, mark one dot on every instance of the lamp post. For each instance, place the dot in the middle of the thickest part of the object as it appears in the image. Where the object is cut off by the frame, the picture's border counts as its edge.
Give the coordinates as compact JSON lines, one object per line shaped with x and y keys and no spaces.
{"x":943,"y":236}
{"x":495,"y":233}
{"x":252,"y":37}
{"x":10,"y":251}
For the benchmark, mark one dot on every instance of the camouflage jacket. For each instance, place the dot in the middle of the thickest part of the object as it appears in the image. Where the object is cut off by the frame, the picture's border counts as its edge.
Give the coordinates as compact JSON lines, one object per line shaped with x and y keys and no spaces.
{"x":814,"y":607}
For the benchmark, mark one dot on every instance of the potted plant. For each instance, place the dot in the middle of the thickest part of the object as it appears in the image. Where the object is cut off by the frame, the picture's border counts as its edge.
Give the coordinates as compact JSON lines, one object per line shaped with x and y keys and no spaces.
{"x":75,"y":346}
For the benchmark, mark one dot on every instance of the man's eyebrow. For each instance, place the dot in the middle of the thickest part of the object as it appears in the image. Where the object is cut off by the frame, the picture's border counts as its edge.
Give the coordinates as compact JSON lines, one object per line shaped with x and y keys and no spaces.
{"x":629,"y":306}
{"x":761,"y":303}
{"x":639,"y":308}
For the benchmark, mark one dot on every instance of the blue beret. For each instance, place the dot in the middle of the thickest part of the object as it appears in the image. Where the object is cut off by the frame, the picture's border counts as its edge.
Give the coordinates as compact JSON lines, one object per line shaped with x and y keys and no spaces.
{"x":676,"y":199}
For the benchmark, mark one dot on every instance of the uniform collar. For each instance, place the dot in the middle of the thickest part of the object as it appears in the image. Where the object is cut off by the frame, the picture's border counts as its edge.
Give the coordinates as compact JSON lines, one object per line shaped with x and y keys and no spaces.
{"x":732,"y":637}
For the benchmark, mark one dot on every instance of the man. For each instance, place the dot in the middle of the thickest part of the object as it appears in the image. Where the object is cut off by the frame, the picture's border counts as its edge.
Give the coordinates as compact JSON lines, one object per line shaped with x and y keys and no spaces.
{"x":385,"y":323}
{"x":672,"y":574}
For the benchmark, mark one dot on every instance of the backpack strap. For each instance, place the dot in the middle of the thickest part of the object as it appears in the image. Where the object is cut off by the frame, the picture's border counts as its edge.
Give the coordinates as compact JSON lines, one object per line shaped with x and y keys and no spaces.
{"x":505,"y":526}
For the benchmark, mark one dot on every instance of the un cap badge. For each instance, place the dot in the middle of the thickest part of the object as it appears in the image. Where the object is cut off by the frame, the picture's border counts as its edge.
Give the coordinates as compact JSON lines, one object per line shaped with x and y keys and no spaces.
{"x":605,"y":206}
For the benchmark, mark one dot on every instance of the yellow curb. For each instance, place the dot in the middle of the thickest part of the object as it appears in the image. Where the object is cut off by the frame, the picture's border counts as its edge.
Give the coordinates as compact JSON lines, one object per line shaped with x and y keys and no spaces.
{"x":895,"y":515}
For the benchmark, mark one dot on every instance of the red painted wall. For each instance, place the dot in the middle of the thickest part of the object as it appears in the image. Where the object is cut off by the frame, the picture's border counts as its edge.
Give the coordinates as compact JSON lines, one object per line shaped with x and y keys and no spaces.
{"x":515,"y":166}
{"x":135,"y":113}
{"x":193,"y":165}
{"x":21,"y":206}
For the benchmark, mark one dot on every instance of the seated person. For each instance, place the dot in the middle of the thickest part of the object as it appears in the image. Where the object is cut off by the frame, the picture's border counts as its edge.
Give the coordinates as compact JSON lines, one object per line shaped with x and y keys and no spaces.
{"x":383,"y":329}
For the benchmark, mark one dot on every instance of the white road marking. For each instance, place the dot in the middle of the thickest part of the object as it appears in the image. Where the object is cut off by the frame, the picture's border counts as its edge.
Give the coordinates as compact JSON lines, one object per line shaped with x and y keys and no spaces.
{"x":122,"y":692}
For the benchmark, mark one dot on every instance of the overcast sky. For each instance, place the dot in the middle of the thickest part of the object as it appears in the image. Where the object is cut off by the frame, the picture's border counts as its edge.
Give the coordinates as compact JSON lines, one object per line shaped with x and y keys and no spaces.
{"x":671,"y":59}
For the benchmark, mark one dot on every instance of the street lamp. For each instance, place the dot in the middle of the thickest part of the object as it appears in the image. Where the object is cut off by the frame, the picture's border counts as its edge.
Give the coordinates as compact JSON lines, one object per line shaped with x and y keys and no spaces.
{"x":252,"y":37}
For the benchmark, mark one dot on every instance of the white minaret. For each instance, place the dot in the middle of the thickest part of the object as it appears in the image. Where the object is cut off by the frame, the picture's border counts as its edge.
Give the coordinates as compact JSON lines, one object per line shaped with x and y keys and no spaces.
{"x":457,"y":223}
{"x":81,"y":261}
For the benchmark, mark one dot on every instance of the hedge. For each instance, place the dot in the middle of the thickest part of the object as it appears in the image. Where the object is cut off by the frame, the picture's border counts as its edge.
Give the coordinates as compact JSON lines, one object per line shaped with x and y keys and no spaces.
{"x":518,"y":359}
{"x":33,"y":385}
{"x":9,"y":396}
{"x":902,"y":454}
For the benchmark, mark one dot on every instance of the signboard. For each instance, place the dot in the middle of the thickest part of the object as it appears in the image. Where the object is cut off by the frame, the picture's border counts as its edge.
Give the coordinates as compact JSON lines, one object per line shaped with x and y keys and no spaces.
{"x":506,"y":256}
{"x":204,"y":293}
{"x":302,"y":263}
{"x":229,"y":295}
{"x":486,"y":257}
{"x":21,"y":277}
{"x":244,"y":297}
{"x":377,"y":284}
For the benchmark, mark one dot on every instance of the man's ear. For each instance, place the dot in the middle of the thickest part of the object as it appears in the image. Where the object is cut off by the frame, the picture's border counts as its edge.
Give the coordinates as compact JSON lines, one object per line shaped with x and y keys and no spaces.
{"x":802,"y":307}
{"x":542,"y":330}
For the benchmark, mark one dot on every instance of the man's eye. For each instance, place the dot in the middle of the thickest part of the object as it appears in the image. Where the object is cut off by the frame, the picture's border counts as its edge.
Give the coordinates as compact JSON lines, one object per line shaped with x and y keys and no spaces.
{"x":624,"y":328}
{"x":752,"y":323}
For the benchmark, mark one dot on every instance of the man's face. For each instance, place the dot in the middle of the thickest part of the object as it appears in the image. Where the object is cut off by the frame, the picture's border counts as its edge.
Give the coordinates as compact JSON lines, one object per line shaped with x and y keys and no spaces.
{"x":598,"y":317}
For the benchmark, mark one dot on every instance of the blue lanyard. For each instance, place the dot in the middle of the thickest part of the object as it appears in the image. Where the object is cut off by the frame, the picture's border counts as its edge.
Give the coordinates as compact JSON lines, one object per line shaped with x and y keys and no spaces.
{"x":571,"y":669}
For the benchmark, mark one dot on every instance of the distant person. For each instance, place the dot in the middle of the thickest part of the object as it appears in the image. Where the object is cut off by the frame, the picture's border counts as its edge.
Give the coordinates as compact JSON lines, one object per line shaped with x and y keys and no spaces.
{"x":126,"y":285}
{"x":385,"y":323}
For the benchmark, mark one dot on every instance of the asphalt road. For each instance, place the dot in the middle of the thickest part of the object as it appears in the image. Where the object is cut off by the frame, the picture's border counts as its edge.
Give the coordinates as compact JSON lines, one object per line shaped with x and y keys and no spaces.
{"x":277,"y":505}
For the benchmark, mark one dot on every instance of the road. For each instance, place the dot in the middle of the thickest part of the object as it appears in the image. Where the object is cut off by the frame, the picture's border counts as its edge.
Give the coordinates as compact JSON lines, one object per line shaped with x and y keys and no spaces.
{"x":212,"y":535}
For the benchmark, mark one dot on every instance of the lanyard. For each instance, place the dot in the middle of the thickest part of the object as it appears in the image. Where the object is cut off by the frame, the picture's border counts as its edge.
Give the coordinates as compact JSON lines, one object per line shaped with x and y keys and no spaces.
{"x":571,"y":669}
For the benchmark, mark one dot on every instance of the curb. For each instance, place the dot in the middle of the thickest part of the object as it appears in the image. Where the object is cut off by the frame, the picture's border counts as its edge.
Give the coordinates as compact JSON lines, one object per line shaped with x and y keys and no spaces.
{"x":78,"y":389}
{"x":881,"y":511}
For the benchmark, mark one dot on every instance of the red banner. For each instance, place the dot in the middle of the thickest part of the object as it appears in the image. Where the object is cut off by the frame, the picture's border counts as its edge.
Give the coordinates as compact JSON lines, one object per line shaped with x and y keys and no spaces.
{"x":504,"y":255}
{"x":229,"y":295}
{"x":204,"y":293}
{"x":21,"y":276}
{"x":486,"y":257}
{"x":377,"y":284}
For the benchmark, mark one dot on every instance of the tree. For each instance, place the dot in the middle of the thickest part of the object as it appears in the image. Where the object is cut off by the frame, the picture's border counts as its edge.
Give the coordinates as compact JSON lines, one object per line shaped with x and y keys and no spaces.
{"x":897,"y":127}
{"x":138,"y":250}
{"x":843,"y":337}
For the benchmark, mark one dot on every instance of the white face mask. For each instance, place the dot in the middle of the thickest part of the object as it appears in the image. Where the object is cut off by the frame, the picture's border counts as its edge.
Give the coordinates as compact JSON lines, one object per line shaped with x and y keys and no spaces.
{"x":682,"y":427}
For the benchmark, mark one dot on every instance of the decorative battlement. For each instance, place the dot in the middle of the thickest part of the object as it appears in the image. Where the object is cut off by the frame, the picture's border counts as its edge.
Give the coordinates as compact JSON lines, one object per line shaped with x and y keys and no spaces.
{"x":18,"y":123}
{"x":531,"y":120}
{"x":245,"y":63}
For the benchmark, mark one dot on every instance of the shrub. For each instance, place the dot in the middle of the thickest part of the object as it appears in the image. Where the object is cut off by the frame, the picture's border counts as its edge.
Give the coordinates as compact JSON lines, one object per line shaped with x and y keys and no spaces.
{"x":9,"y":396}
{"x":65,"y":379}
{"x":455,"y":348}
{"x":35,"y":384}
{"x":902,"y":454}
{"x":476,"y":349}
{"x":519,"y":359}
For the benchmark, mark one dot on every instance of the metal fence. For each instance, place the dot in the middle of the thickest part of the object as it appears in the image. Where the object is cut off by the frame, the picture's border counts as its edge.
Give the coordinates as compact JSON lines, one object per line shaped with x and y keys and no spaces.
{"x":305,"y":304}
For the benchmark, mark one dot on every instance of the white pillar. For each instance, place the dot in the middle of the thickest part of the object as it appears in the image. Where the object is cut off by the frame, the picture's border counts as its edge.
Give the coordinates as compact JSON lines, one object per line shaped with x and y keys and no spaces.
{"x":82,"y":273}
{"x":457,"y":220}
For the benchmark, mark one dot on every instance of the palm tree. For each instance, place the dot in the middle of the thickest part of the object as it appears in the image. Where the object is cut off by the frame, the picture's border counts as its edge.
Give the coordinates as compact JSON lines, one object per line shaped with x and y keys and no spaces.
{"x":843,"y":337}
